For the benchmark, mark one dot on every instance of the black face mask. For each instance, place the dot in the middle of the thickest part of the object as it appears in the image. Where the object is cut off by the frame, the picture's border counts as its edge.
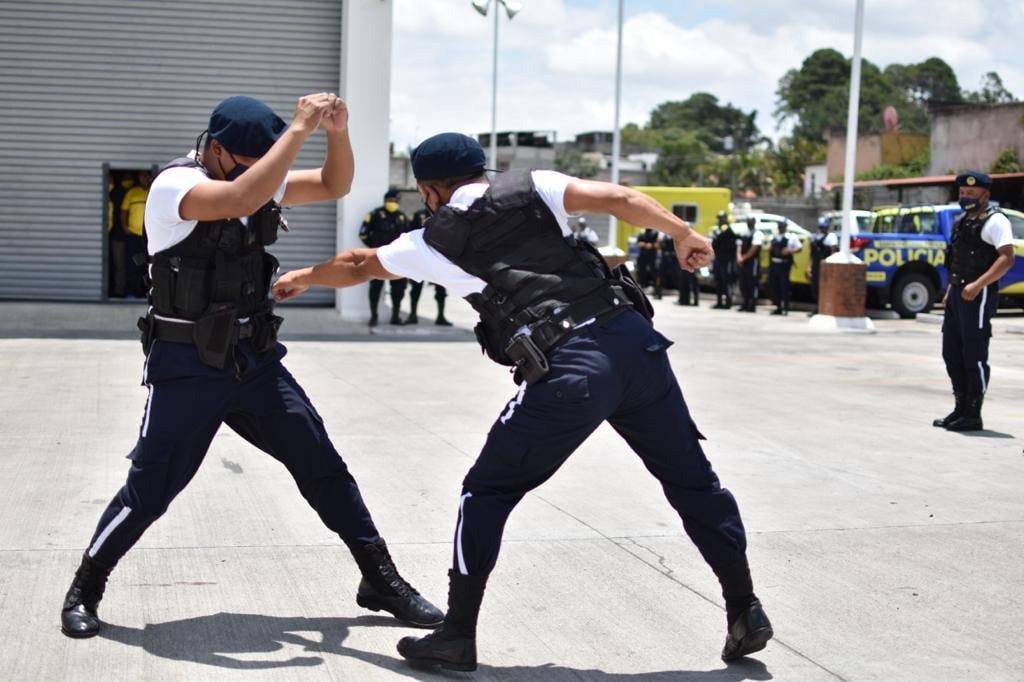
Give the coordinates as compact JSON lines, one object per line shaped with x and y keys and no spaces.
{"x":236,"y":171}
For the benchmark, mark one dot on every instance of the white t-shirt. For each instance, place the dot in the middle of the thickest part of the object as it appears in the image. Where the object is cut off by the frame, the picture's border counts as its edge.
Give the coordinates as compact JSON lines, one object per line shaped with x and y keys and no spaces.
{"x":997,"y":231}
{"x":164,"y":225}
{"x":832,"y":240}
{"x":410,"y":256}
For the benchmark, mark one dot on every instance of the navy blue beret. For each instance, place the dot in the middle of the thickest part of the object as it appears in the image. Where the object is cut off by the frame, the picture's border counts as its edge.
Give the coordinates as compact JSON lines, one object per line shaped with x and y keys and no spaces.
{"x":974,"y":179}
{"x":392,"y":193}
{"x":448,"y":155}
{"x":245,"y":126}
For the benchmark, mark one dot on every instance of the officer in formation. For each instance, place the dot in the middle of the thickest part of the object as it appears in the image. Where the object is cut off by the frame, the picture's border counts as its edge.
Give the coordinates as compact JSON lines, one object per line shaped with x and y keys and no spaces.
{"x":583,"y":231}
{"x":823,"y":244}
{"x":418,"y":222}
{"x":748,"y":260}
{"x":583,"y":351}
{"x":647,"y":257}
{"x":669,"y":272}
{"x":980,"y":252}
{"x":382,"y":226}
{"x":782,"y":248}
{"x":724,"y":245}
{"x":212,"y":355}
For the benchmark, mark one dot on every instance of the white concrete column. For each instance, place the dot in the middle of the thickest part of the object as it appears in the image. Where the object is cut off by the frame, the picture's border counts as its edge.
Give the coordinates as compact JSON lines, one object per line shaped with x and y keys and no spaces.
{"x":366,"y":88}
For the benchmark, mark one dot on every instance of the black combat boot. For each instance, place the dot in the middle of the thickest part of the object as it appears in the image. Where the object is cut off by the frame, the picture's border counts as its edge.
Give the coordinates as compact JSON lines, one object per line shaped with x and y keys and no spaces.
{"x":383,"y":589}
{"x":952,"y":416}
{"x":453,"y":645}
{"x":373,"y":318}
{"x":78,"y":616}
{"x":412,"y":319}
{"x":970,"y":415}
{"x":748,"y":628}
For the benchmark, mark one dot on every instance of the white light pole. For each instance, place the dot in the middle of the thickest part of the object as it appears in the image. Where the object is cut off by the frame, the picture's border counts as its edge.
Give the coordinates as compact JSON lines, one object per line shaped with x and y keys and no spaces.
{"x":613,"y":225}
{"x":851,"y":135}
{"x":511,"y":9}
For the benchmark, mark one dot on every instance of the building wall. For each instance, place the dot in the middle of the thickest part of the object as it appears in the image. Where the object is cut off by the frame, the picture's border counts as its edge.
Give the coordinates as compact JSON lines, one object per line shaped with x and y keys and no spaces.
{"x":971,"y":137}
{"x":131,"y":83}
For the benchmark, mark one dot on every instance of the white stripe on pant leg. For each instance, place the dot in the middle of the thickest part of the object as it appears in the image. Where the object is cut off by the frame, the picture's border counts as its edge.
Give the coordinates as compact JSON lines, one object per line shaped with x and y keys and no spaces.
{"x":981,"y":373}
{"x":981,"y":308}
{"x":145,"y":417}
{"x":121,"y":516}
{"x":458,"y":536}
{"x":515,"y":402}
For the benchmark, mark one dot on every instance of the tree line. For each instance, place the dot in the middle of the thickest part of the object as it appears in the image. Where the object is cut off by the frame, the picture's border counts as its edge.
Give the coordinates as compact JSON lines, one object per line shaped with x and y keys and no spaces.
{"x":703,"y":141}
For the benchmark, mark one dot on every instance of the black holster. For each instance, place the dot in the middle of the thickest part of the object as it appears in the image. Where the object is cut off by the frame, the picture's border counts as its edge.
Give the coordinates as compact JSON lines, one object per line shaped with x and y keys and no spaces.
{"x":212,"y":334}
{"x":531,"y":364}
{"x":264,"y":332}
{"x":633,"y":291}
{"x":145,"y":325}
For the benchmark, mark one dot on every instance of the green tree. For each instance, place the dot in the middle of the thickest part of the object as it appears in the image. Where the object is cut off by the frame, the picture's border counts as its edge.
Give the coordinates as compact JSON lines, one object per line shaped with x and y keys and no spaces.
{"x":1007,"y":162}
{"x":930,"y":82}
{"x":992,"y":91}
{"x":576,"y":164}
{"x":789,"y":162}
{"x":713,"y":122}
{"x":680,"y":157}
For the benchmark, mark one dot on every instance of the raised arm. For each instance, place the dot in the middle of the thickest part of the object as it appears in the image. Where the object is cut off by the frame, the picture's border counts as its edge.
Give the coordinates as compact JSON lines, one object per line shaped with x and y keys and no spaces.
{"x":589,"y":196}
{"x":334,"y":179}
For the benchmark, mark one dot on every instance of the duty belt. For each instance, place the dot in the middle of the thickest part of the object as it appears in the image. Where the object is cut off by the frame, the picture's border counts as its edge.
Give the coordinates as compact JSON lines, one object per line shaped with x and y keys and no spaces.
{"x":182,"y":332}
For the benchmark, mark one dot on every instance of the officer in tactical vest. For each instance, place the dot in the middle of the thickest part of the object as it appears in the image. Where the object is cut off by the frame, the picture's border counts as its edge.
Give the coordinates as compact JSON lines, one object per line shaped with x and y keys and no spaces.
{"x":670,"y":275}
{"x":382,"y":226}
{"x":582,"y":349}
{"x":418,"y":222}
{"x":647,"y":257}
{"x":823,"y":244}
{"x":748,"y":259}
{"x":782,"y":248}
{"x":980,"y":252}
{"x":724,"y":245}
{"x":212,"y":356}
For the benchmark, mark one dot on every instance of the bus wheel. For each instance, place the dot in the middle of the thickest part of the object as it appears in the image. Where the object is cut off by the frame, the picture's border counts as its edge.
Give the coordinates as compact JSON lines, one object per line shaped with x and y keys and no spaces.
{"x":913,"y":293}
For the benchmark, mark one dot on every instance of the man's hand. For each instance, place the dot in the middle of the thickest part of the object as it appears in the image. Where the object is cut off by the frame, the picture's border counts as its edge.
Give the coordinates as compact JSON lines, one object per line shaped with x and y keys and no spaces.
{"x":971,"y":291}
{"x":310,"y":110}
{"x":335,"y":118}
{"x":291,"y":284}
{"x":694,"y":251}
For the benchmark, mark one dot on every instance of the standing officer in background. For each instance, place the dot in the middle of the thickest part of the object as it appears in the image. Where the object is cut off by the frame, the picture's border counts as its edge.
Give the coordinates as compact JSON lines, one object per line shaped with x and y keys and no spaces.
{"x":647,"y":257}
{"x":782,"y":248}
{"x":382,"y":226}
{"x":212,"y":355}
{"x":980,"y":252}
{"x":724,"y":245}
{"x":583,"y":351}
{"x":669,"y":273}
{"x":584,"y":231}
{"x":689,"y":287}
{"x":133,"y":209}
{"x":418,"y":222}
{"x":748,"y":259}
{"x":823,"y":245}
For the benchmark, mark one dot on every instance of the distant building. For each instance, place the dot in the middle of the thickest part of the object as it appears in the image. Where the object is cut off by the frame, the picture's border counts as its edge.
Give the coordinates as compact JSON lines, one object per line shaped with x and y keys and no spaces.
{"x":893,"y":148}
{"x":972,"y":136}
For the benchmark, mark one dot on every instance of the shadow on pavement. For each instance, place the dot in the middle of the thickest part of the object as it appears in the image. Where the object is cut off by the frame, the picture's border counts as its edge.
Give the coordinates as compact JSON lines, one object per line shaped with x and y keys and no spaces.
{"x":243,"y":641}
{"x":986,"y":433}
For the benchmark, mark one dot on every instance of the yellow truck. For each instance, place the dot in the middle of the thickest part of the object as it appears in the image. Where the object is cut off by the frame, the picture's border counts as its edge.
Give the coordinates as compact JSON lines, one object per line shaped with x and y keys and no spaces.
{"x":698,"y":206}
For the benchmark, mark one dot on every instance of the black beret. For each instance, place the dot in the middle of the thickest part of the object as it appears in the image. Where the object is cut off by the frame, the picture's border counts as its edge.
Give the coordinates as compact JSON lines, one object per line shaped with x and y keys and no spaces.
{"x":448,"y":155}
{"x":245,"y":126}
{"x":974,"y":179}
{"x":392,"y":193}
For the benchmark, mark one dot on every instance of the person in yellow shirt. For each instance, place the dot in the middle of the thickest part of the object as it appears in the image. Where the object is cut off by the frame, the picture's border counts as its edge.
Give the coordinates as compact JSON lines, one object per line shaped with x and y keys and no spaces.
{"x":133,"y":211}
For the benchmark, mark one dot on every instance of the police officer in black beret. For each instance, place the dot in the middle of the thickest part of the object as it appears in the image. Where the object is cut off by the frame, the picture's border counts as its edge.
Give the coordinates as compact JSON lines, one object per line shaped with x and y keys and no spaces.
{"x":748,"y":259}
{"x":212,"y":355}
{"x":382,"y":226}
{"x":781,"y":248}
{"x":980,"y":252}
{"x":582,"y":349}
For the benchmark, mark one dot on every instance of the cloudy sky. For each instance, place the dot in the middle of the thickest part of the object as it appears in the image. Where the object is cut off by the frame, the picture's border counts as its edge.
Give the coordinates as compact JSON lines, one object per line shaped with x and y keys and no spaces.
{"x":556,"y":61}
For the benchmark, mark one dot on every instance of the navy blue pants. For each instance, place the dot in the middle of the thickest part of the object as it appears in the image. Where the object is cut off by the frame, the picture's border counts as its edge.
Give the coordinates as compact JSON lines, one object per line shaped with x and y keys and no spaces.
{"x":749,"y":275}
{"x":619,"y":372}
{"x":966,"y":330}
{"x":188,"y":401}
{"x":778,"y":280}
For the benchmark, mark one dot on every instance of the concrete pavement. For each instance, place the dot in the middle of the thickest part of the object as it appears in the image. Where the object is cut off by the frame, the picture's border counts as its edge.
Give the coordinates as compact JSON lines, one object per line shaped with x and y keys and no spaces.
{"x":883,"y":548}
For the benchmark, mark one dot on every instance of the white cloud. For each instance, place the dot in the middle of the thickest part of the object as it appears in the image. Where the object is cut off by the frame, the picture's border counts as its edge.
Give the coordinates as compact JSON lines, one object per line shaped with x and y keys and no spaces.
{"x":557,"y":57}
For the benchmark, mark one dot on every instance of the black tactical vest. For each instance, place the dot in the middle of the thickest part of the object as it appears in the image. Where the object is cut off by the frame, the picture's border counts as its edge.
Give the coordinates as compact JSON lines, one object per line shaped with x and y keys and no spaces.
{"x":540,"y":284}
{"x":968,"y":256}
{"x":746,"y":242}
{"x":819,"y":251}
{"x":780,"y":242}
{"x":220,"y":263}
